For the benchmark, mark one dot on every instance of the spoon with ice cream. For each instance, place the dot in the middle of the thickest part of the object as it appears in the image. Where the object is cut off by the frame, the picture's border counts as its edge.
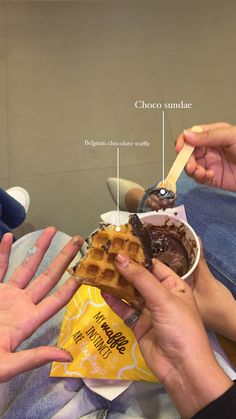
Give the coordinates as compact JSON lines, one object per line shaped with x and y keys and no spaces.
{"x":164,"y":194}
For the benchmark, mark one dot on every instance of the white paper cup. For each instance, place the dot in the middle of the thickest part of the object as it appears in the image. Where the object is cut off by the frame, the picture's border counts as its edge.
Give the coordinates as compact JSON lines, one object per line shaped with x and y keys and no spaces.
{"x":189,"y":237}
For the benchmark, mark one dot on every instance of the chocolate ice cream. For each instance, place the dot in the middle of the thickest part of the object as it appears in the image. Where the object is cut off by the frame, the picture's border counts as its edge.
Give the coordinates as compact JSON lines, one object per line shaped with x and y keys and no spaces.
{"x":167,"y":245}
{"x":160,"y":198}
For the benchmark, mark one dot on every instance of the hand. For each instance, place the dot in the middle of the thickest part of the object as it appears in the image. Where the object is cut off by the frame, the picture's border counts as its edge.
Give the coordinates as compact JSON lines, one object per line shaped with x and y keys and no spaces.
{"x":172,"y":337}
{"x":213,"y":161}
{"x":215,"y":302}
{"x":24,"y":305}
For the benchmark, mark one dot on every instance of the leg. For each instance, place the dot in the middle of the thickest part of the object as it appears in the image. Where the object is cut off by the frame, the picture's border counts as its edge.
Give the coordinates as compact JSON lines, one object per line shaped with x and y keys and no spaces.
{"x":132,"y":199}
{"x":13,"y":213}
{"x":129,"y":191}
{"x":144,"y":400}
{"x":211,"y":212}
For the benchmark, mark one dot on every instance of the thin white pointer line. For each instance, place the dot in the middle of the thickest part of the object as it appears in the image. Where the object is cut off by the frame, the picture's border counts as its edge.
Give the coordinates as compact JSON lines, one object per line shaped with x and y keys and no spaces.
{"x":163,"y":146}
{"x":118,"y":186}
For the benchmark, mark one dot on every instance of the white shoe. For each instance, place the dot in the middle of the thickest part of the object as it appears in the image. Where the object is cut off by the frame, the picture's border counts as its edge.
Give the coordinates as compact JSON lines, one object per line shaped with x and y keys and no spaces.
{"x":124,"y":186}
{"x":21,"y":195}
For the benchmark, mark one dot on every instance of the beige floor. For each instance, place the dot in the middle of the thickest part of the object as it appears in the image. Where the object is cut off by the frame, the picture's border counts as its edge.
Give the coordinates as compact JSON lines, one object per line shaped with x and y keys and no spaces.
{"x":71,"y":71}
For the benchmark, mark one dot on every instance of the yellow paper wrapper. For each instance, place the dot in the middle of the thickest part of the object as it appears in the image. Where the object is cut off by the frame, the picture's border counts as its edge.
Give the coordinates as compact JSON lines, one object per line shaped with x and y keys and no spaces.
{"x":101,"y":344}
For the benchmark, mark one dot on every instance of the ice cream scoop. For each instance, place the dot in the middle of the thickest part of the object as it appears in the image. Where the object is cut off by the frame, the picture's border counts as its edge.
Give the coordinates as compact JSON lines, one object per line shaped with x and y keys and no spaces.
{"x":160,"y":198}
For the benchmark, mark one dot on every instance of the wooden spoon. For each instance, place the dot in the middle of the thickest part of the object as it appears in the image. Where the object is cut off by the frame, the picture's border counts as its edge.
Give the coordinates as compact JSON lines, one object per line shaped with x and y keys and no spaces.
{"x":170,"y":181}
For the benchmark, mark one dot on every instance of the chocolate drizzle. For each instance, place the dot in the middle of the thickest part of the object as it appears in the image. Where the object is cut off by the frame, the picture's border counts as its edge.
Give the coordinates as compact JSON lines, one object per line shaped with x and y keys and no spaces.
{"x":106,"y":246}
{"x":141,"y":232}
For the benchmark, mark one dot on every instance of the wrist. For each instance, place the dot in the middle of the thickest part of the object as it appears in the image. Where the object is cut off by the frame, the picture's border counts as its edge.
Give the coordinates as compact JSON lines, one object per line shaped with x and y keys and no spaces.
{"x":223,"y":320}
{"x":194,"y":385}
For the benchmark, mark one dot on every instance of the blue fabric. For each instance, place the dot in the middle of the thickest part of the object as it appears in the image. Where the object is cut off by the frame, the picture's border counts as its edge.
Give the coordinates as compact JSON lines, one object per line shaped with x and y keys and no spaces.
{"x":212,"y":214}
{"x":12,"y":213}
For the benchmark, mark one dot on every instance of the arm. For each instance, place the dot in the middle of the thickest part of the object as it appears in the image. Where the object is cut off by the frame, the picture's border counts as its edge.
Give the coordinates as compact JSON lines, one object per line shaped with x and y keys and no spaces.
{"x":24,"y":305}
{"x":215,"y":302}
{"x":172,"y":337}
{"x":223,"y":407}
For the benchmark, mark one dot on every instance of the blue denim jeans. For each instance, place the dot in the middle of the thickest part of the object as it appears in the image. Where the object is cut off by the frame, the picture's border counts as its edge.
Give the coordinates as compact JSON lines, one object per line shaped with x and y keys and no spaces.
{"x":212,"y":214}
{"x":12,"y":213}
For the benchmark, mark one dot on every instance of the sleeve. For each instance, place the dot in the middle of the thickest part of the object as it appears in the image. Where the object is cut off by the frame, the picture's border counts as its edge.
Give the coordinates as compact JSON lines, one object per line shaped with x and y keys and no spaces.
{"x":223,"y":407}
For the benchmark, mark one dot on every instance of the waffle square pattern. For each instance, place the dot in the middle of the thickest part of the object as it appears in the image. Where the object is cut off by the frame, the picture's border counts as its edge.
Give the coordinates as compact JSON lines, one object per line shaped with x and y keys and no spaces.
{"x":98,"y":267}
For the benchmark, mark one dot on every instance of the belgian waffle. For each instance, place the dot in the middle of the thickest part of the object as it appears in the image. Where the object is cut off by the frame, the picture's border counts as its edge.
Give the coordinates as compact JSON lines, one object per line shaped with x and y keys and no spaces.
{"x":98,"y":267}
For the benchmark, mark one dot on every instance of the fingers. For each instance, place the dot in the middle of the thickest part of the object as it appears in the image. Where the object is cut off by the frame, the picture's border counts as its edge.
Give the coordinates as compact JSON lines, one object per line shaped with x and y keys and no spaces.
{"x":170,"y":279}
{"x":215,"y":125}
{"x":206,"y":127}
{"x":5,"y":250}
{"x":156,"y":296}
{"x":196,"y":167}
{"x":180,"y":140}
{"x":125,"y":312}
{"x":146,"y":283}
{"x":24,"y":273}
{"x":165,"y":275}
{"x":122,"y":309}
{"x":218,"y":137}
{"x":15,"y":363}
{"x":200,"y":174}
{"x":49,"y":278}
{"x":52,"y":304}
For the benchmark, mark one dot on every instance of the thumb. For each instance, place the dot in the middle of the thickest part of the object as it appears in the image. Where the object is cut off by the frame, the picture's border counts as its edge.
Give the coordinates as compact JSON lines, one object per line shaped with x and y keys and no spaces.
{"x":219,"y":137}
{"x":144,"y":281}
{"x":16,"y":363}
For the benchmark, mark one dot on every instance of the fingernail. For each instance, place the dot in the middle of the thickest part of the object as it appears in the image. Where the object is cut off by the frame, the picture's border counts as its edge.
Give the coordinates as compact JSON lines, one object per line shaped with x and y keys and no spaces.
{"x":69,"y":357}
{"x":77,"y":240}
{"x":189,"y":134}
{"x":122,"y":260}
{"x":197,"y":128}
{"x":5,"y":235}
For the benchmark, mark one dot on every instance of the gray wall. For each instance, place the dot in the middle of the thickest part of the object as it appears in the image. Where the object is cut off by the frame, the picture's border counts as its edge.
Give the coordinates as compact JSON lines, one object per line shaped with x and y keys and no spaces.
{"x":71,"y":71}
